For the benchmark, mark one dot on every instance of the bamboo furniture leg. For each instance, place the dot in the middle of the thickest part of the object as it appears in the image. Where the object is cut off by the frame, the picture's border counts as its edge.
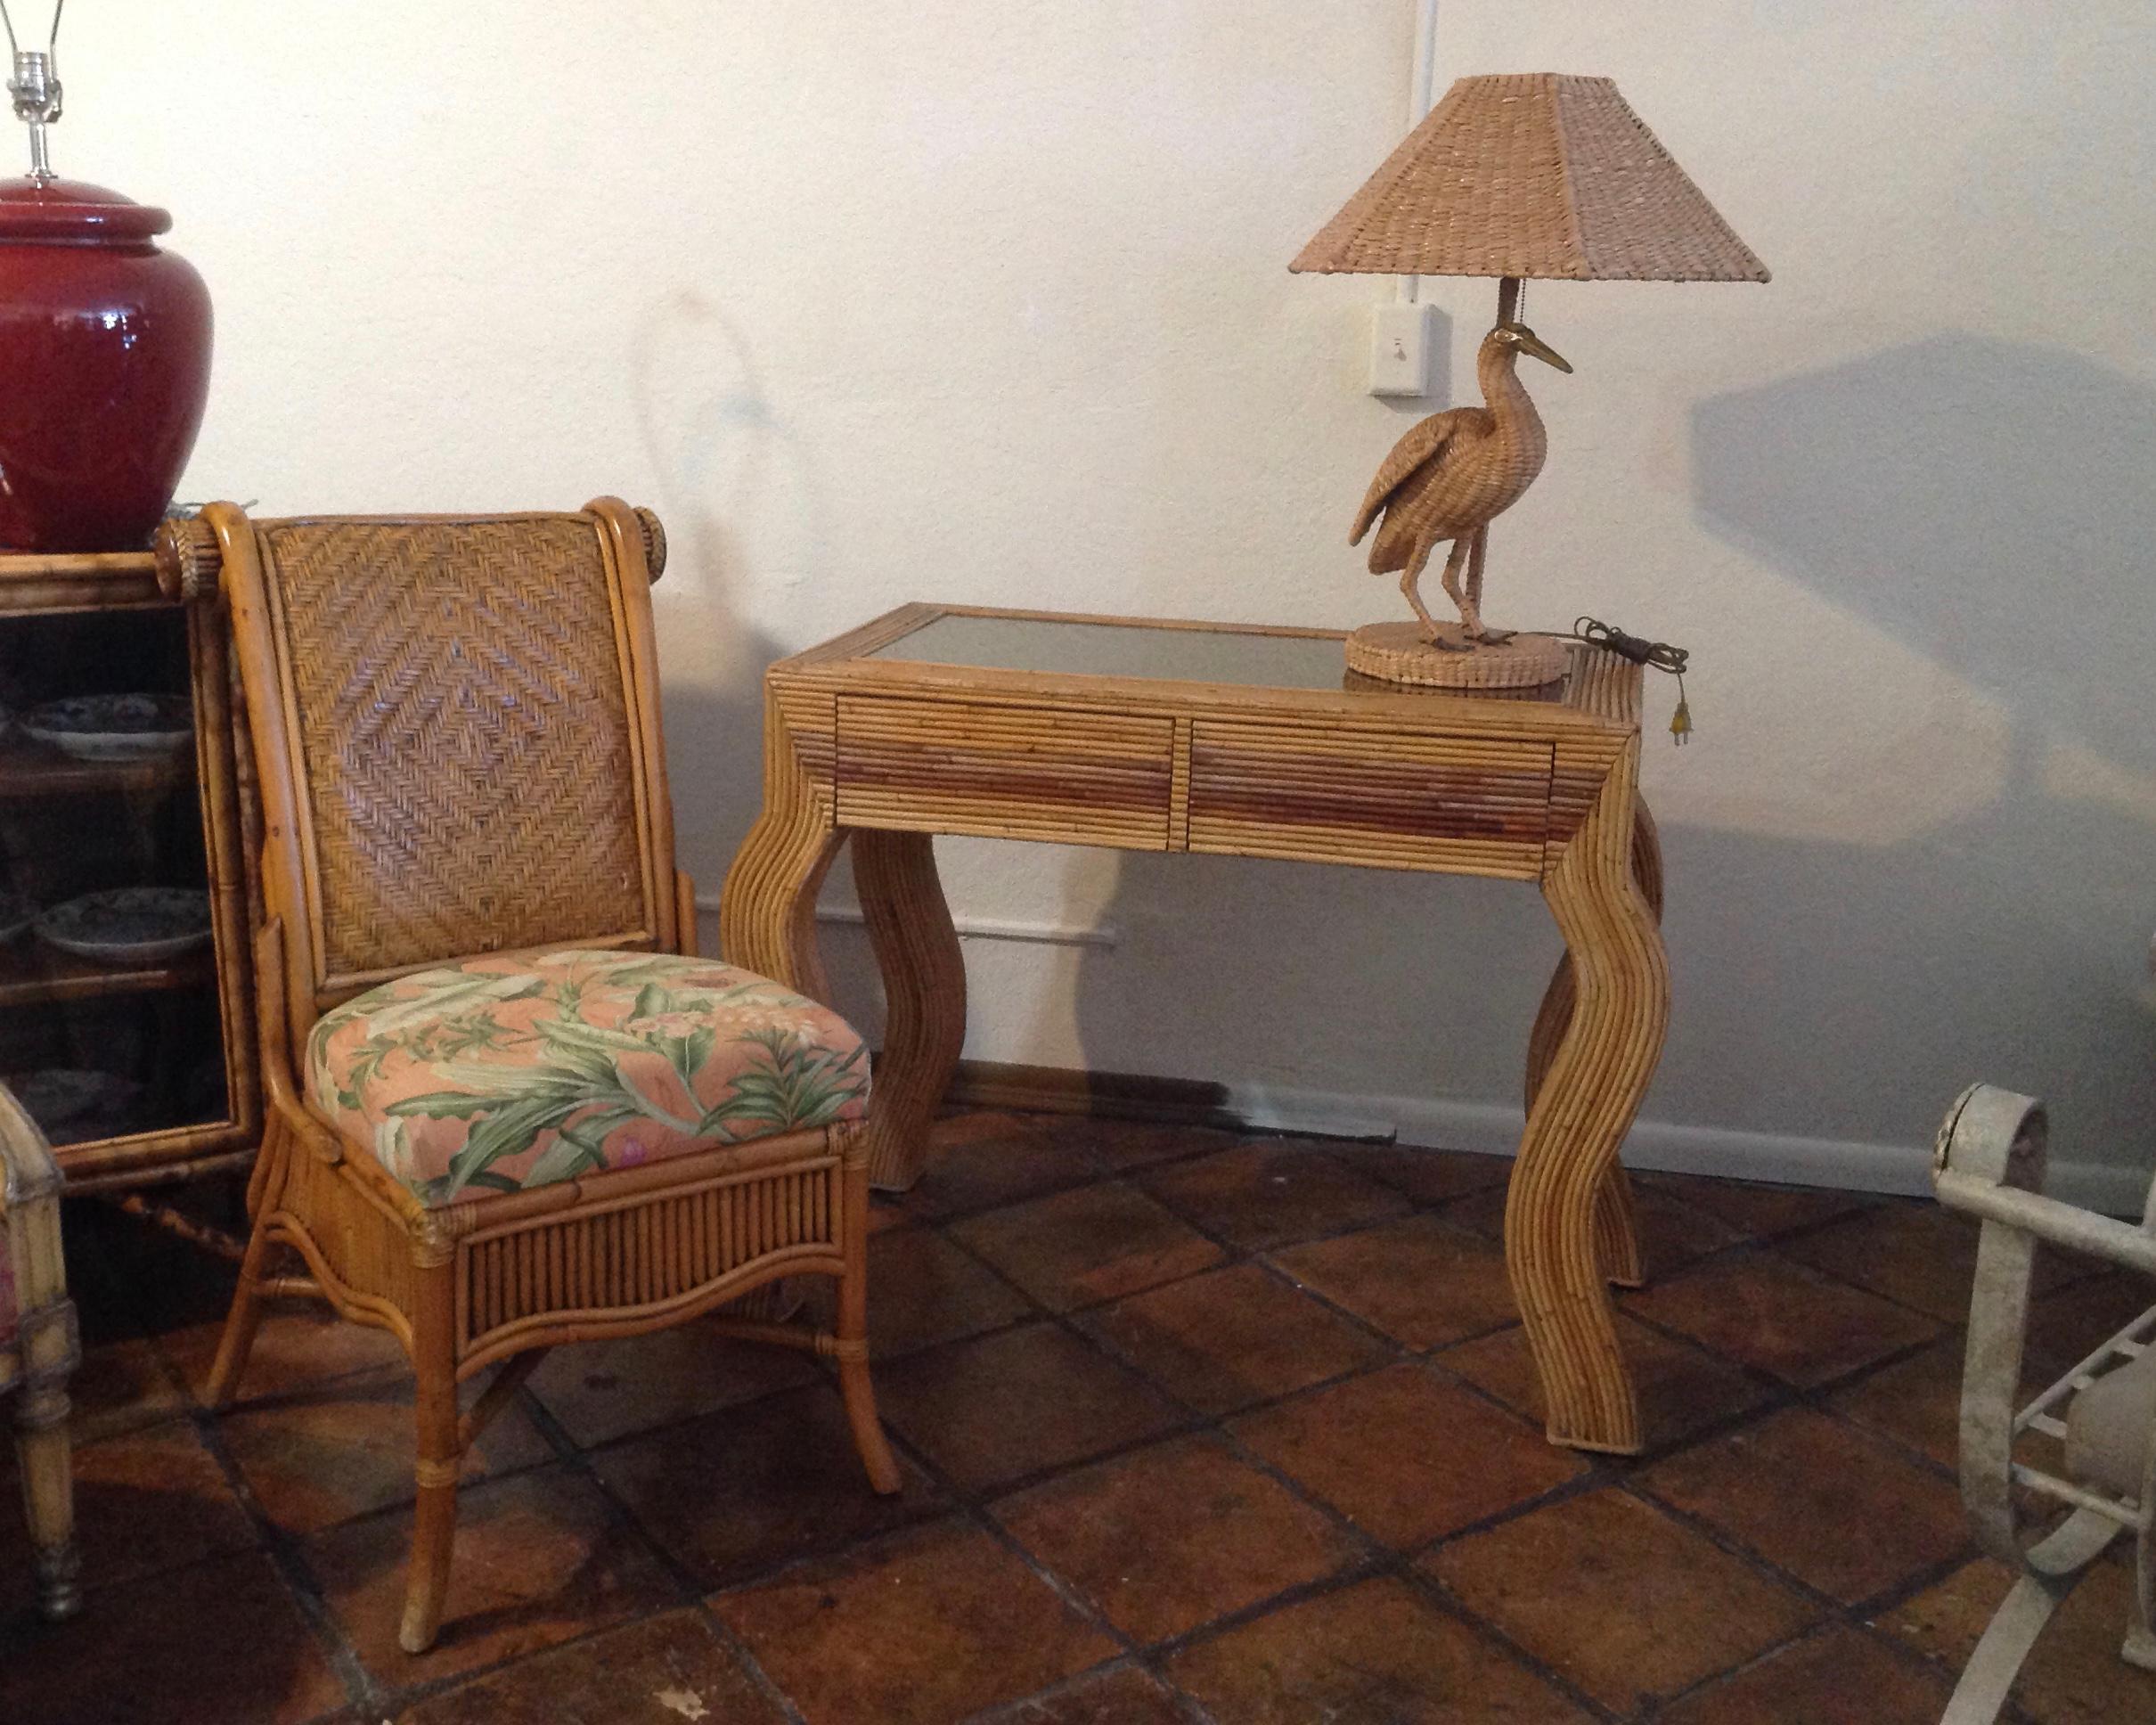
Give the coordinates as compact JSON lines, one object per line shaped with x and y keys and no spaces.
{"x":767,"y":906}
{"x":924,"y":973}
{"x":850,"y":1346}
{"x":441,"y":1454}
{"x":245,"y":1316}
{"x":48,"y":1501}
{"x":1616,"y":1226}
{"x":43,"y":1348}
{"x":1590,"y":1092}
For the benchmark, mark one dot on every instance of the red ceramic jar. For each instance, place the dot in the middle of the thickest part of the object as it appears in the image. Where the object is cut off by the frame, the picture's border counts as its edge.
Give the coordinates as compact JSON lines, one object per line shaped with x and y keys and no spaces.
{"x":104,"y":367}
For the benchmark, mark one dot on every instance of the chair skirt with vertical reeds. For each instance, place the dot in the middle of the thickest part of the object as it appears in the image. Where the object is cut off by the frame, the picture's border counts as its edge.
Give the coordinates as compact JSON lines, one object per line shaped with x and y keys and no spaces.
{"x":509,"y":1104}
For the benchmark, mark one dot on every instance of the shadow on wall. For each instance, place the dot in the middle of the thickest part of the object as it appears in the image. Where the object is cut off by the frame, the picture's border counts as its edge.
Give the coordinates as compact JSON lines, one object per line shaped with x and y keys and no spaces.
{"x":1987,"y":505}
{"x":722,"y":454}
{"x":1990,"y":505}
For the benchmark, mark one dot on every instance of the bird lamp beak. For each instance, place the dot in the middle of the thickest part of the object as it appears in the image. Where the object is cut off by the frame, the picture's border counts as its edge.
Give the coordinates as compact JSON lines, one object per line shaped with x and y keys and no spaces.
{"x":1532,"y":343}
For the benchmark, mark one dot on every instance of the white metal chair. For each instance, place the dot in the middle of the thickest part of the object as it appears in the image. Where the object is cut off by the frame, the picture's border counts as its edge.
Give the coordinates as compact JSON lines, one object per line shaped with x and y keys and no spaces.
{"x":39,"y":1349}
{"x":1990,"y":1165}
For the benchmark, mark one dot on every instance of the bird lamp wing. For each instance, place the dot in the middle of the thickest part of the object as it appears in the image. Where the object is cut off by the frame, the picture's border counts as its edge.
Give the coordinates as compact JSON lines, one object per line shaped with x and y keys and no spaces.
{"x":1424,"y":441}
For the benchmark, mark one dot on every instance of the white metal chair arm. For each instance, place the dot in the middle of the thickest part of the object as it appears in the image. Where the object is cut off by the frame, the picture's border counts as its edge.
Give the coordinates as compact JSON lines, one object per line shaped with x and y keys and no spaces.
{"x":1989,"y":1163}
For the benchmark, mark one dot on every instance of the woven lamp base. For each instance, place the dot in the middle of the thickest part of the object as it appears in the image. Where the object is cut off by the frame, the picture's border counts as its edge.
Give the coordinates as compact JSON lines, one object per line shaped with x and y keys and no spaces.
{"x":1397,"y":652}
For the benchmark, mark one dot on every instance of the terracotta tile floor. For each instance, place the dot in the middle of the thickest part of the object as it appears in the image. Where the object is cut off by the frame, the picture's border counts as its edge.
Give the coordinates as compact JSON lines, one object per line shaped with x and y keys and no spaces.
{"x":1193,"y":1429}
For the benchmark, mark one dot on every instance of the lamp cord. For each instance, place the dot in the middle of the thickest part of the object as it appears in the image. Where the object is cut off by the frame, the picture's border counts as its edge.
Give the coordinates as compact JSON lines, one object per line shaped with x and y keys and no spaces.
{"x":1638,"y":650}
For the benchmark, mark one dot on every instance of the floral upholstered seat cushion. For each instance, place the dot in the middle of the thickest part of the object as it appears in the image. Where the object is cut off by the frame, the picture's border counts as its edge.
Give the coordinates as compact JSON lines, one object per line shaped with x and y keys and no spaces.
{"x":512,"y":1071}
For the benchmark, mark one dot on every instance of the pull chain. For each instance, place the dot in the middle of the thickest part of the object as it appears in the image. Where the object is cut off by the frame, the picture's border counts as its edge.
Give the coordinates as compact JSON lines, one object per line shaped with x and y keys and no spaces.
{"x":1638,"y":650}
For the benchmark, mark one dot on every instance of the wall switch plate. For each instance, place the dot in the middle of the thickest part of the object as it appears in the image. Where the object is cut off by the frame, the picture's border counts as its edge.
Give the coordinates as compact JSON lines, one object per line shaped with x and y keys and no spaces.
{"x":1402,"y":338}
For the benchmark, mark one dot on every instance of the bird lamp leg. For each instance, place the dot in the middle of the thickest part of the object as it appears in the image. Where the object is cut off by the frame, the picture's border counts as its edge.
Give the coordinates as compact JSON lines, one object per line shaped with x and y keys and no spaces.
{"x":1471,"y":610}
{"x":1469,"y":623}
{"x":1410,"y":583}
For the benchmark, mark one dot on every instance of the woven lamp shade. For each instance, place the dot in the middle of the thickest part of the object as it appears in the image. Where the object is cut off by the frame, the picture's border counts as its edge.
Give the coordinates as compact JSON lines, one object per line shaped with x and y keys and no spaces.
{"x":1533,"y":175}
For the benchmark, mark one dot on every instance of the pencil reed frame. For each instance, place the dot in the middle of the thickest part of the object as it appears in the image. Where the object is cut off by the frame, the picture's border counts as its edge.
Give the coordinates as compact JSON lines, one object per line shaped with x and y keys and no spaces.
{"x":882,"y":751}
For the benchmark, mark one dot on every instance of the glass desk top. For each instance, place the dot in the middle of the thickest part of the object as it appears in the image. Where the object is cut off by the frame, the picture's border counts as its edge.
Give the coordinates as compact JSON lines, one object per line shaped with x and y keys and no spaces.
{"x":1069,"y":648}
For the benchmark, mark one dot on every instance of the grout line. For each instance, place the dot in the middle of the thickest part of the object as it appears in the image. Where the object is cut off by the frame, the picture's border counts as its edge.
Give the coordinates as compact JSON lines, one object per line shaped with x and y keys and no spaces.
{"x":1374,"y":1559}
{"x":693,"y":1595}
{"x":286,"y":1556}
{"x":1377,"y":1559}
{"x":1433,"y":1590}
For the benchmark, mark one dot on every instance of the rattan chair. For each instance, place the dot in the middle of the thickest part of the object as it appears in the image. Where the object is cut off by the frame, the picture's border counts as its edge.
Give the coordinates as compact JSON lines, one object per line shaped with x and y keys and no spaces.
{"x":39,"y":1349}
{"x":2048,"y":1526}
{"x":509,"y":1108}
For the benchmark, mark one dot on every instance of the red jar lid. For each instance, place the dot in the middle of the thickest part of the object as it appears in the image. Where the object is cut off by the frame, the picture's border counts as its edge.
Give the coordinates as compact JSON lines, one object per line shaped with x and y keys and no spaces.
{"x":74,"y":211}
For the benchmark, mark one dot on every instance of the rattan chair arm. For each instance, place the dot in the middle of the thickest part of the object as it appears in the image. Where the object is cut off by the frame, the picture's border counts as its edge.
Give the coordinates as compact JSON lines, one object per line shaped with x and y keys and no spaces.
{"x":327,"y":1145}
{"x":281,"y":1088}
{"x":279,"y":1084}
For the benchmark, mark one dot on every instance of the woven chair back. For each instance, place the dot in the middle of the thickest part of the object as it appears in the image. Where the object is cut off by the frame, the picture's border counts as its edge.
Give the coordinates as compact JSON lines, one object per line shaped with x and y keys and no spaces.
{"x":464,"y":715}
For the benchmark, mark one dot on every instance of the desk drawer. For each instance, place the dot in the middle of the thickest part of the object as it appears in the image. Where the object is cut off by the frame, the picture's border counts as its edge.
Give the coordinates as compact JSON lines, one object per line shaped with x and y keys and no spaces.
{"x":1390,"y":799}
{"x":1071,"y":776}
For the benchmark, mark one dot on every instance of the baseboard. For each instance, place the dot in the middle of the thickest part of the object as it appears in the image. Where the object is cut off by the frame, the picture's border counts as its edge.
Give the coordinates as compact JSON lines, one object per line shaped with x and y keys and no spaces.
{"x":1107,"y":1095}
{"x":1493,"y":1129}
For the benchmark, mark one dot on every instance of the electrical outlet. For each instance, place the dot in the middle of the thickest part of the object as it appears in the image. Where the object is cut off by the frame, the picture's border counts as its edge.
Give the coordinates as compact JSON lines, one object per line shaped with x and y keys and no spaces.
{"x":1402,"y":338}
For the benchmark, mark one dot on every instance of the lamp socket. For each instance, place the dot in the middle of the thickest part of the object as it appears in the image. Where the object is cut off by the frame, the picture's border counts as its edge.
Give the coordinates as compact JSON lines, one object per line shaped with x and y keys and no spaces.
{"x":1403,"y":336}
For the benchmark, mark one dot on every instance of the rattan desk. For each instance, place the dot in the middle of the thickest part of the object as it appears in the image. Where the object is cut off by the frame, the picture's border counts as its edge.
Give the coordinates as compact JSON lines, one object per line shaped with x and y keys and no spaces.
{"x":1249,"y":743}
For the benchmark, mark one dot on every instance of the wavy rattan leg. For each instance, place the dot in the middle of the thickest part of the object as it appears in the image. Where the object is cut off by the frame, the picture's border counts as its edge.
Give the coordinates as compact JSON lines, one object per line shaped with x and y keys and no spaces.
{"x":1616,"y":1228}
{"x":767,"y":906}
{"x":923,"y":973}
{"x":1616,"y":1214}
{"x":41,"y":1447}
{"x":1594,"y":1081}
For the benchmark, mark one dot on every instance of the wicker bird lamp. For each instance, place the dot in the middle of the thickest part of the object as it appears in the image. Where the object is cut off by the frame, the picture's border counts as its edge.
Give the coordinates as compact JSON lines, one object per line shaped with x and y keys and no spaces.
{"x":1519,"y":175}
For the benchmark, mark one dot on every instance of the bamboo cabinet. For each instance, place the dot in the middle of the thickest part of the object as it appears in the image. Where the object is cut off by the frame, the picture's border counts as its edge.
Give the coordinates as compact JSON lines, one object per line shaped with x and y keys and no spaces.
{"x":126,"y":1022}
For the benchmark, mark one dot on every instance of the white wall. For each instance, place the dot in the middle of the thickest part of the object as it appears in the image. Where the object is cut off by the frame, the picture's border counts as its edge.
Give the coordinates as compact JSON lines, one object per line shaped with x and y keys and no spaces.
{"x":988,"y":301}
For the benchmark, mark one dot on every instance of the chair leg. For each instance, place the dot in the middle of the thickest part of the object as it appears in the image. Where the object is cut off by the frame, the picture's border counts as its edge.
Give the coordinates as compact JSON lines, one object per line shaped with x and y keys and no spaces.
{"x":854,"y":1384}
{"x":859,"y":1391}
{"x":48,"y":1496}
{"x":240,"y":1323}
{"x":440,"y":1455}
{"x":1989,"y":1676}
{"x":2140,"y":1649}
